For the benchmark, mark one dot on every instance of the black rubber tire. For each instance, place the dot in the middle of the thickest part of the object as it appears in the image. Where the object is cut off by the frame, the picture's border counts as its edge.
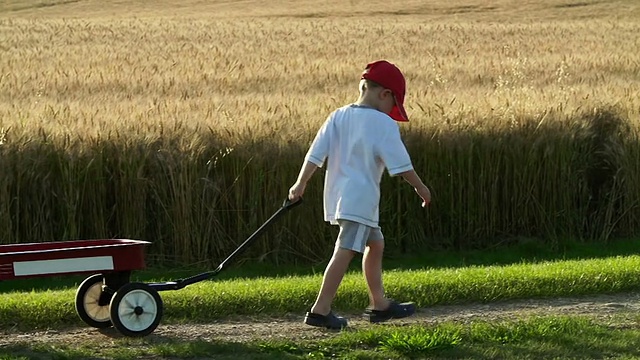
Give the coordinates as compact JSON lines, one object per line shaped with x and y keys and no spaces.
{"x":136,"y":309}
{"x":87,"y":303}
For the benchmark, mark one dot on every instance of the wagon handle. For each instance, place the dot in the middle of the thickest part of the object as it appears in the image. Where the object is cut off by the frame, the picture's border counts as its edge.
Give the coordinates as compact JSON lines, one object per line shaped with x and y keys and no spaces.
{"x":288,"y":204}
{"x":179,"y":284}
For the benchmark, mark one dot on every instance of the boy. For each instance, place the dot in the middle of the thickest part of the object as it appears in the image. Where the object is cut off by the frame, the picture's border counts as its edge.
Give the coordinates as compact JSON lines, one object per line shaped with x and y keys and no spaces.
{"x":360,"y":140}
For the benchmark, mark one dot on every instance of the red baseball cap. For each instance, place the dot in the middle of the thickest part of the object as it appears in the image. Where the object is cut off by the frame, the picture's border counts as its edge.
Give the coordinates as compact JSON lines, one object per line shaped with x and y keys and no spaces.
{"x":390,"y":77}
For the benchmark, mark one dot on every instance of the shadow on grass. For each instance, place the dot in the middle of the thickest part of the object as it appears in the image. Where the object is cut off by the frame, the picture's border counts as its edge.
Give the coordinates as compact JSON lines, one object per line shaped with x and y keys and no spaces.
{"x":152,"y":346}
{"x":582,"y":341}
{"x":587,"y":346}
{"x":529,"y":251}
{"x":526,"y":252}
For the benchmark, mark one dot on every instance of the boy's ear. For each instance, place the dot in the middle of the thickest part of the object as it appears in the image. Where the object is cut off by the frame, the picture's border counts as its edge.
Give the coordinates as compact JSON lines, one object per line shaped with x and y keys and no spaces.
{"x":384,"y":93}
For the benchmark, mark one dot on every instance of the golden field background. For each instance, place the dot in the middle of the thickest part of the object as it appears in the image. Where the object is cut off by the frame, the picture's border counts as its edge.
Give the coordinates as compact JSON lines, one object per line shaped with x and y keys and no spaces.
{"x":185,"y":122}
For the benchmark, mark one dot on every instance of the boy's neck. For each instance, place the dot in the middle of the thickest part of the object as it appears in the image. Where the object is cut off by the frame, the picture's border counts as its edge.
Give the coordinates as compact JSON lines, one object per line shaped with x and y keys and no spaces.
{"x":364,"y":101}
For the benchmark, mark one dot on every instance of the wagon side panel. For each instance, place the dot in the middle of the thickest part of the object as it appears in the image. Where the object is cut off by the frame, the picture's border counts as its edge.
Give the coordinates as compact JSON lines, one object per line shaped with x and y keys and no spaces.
{"x":114,"y":257}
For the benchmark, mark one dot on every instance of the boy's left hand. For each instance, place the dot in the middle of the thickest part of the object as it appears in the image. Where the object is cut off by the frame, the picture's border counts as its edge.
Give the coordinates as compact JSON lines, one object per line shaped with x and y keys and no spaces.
{"x":424,"y":192}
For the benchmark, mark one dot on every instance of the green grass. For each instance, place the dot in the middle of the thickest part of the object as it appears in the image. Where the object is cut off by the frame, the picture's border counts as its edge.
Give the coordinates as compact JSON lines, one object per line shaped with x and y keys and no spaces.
{"x":522,"y":272}
{"x":525,"y":251}
{"x":211,"y":300}
{"x":562,"y":337}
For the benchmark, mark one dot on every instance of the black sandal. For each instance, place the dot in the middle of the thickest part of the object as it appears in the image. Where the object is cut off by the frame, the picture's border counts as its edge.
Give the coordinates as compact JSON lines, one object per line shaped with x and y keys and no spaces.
{"x":395,"y":310}
{"x":330,"y":321}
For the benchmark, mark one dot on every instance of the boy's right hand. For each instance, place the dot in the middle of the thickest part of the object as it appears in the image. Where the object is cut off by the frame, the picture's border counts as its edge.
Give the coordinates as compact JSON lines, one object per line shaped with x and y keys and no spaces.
{"x":296,"y":191}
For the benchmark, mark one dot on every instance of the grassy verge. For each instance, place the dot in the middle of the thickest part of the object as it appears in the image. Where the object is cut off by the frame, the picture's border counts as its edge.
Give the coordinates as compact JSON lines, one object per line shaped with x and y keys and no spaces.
{"x":525,"y":252}
{"x":210,"y":300}
{"x":528,"y":338}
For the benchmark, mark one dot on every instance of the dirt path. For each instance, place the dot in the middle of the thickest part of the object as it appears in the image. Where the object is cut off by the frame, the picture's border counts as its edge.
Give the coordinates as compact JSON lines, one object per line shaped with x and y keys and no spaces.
{"x":617,"y":309}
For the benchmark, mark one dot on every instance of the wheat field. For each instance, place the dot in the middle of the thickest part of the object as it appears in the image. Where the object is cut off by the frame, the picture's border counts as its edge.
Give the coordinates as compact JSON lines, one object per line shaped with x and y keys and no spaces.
{"x":185,"y":122}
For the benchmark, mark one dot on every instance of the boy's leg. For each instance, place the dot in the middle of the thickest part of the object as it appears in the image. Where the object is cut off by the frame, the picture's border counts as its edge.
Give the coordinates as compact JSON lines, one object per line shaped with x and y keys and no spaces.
{"x":372,"y":270}
{"x":380,"y":308}
{"x":333,"y":275}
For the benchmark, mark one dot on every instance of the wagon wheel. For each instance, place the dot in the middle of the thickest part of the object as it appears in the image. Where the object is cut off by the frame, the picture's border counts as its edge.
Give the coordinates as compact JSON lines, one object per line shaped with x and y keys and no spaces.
{"x":136,"y":309}
{"x":92,"y":304}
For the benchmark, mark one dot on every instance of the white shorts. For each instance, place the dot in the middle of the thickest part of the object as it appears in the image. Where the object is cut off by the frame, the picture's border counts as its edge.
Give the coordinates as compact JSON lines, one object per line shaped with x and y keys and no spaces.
{"x":355,"y":236}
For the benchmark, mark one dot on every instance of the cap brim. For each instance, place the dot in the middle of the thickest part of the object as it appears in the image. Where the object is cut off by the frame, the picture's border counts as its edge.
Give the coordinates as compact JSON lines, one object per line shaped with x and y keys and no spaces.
{"x":398,"y":113}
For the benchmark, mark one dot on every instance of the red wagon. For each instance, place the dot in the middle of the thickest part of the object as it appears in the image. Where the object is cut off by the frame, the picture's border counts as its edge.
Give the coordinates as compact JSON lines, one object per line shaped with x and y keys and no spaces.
{"x":110,"y":260}
{"x":107,"y":297}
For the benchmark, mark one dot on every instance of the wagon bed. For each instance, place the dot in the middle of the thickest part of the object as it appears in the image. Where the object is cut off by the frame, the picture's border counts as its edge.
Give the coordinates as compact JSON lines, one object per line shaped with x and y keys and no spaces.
{"x":107,"y":297}
{"x":29,"y":260}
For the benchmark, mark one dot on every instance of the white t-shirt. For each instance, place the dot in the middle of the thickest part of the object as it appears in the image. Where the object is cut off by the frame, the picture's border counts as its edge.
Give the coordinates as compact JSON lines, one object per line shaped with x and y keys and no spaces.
{"x":359,"y":142}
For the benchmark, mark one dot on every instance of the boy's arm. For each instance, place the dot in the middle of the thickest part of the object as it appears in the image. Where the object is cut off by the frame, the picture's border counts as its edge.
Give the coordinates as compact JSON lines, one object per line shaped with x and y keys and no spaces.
{"x":297,"y":190}
{"x":414,"y":180}
{"x":314,"y":159}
